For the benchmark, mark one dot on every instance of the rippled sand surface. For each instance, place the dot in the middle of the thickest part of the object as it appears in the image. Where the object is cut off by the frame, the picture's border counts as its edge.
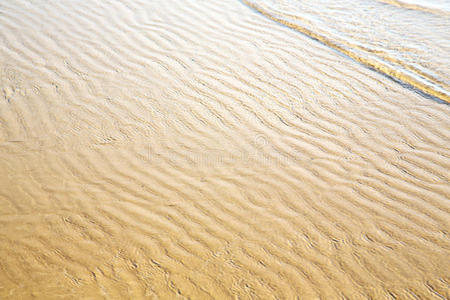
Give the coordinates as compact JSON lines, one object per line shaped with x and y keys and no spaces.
{"x":197,"y":149}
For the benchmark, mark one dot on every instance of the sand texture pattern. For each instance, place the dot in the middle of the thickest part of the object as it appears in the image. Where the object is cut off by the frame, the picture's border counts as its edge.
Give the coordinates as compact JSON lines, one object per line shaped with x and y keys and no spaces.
{"x":199,"y":150}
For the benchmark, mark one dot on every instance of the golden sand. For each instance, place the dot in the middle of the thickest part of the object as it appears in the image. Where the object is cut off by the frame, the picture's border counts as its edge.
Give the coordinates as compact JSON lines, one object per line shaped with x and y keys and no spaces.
{"x":196,"y":149}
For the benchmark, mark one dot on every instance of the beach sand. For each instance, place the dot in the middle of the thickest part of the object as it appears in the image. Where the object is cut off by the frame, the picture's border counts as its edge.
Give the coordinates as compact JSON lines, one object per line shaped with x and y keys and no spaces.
{"x":197,"y":149}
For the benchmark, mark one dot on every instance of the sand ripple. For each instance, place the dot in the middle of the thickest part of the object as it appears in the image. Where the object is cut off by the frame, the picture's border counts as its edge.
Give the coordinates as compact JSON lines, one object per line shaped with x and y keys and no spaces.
{"x":159,"y":149}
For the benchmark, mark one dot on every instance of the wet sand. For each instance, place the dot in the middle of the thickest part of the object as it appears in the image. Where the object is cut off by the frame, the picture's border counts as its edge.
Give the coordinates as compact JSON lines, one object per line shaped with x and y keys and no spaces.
{"x":172,"y":149}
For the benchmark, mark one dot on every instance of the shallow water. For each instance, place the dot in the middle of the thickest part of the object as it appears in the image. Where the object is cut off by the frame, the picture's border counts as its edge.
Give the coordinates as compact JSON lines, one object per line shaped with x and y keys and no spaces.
{"x":159,"y":149}
{"x":408,"y":40}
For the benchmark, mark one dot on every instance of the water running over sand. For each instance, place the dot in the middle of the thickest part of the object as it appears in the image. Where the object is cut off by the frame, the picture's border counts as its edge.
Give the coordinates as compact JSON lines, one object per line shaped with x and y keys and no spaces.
{"x":407,"y":40}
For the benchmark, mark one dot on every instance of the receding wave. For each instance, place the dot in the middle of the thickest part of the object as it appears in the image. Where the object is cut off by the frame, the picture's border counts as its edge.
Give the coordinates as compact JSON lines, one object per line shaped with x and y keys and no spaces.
{"x":385,"y":35}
